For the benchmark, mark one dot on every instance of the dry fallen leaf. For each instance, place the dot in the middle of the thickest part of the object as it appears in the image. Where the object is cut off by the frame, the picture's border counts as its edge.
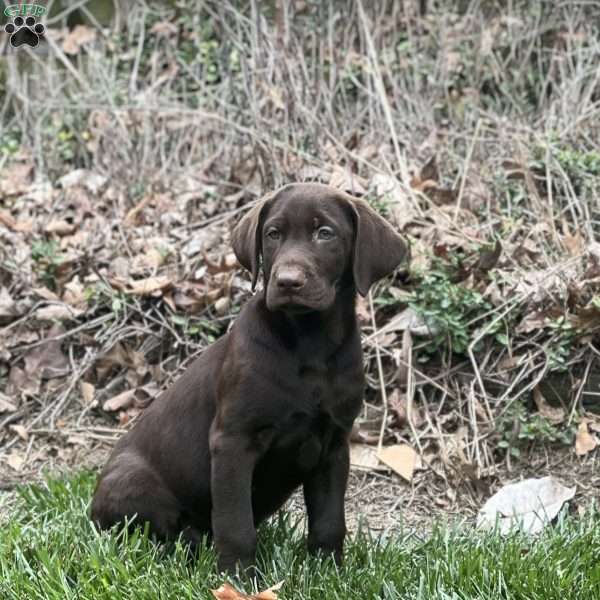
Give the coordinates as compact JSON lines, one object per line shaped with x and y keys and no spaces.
{"x":57,"y":312}
{"x":411,"y":320}
{"x":20,"y":431}
{"x":46,"y":294}
{"x":528,"y":505}
{"x":134,"y":399}
{"x":585,"y":441}
{"x":441,"y":196}
{"x":427,"y":177}
{"x":24,"y":225}
{"x":192,"y":297}
{"x":74,"y":294}
{"x":346,"y":181}
{"x":226,"y":263}
{"x":364,"y":457}
{"x":47,"y":360}
{"x":362,"y":310}
{"x":7,"y":220}
{"x":532,"y":321}
{"x":6,"y":405}
{"x":77,"y":440}
{"x":132,"y":218}
{"x":117,"y":357}
{"x":575,"y":244}
{"x":401,"y":458}
{"x":87,"y":392}
{"x":22,"y":384}
{"x":14,"y":180}
{"x":164,"y":28}
{"x":15,"y":461}
{"x":8,"y":307}
{"x":60,"y":227}
{"x":77,"y":37}
{"x":143,"y":287}
{"x":554,"y":414}
{"x":430,"y":170}
{"x":120,"y":401}
{"x":150,"y":260}
{"x":93,"y":182}
{"x":227,"y":592}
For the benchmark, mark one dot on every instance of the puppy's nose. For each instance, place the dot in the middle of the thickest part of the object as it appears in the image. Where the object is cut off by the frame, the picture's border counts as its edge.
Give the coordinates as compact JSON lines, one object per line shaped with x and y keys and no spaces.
{"x":290,"y":279}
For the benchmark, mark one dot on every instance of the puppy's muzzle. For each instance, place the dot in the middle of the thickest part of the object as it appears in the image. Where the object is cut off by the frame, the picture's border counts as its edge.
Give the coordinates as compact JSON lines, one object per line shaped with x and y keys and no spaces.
{"x":290,"y":279}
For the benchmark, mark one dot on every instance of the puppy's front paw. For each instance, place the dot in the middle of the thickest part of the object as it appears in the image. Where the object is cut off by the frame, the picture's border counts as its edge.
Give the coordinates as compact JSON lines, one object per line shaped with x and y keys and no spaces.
{"x":237,"y":553}
{"x":327,"y":545}
{"x":324,"y":552}
{"x":234,"y":566}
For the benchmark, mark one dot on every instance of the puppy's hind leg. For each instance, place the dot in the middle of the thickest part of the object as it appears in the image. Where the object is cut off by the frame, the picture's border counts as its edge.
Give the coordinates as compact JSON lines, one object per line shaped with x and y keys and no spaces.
{"x":131,"y":491}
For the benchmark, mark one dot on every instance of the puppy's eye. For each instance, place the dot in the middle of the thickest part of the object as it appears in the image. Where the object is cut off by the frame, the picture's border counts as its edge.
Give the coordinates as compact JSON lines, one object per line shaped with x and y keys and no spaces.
{"x":273,"y":234}
{"x":325,"y":233}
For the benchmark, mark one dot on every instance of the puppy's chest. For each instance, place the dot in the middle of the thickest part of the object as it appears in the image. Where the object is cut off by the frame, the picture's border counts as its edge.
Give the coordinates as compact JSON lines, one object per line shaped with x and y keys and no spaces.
{"x":319,"y":411}
{"x":325,"y":391}
{"x":302,"y":438}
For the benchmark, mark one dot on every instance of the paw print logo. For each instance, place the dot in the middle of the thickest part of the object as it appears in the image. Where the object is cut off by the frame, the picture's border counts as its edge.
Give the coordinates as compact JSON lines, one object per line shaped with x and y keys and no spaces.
{"x":24,"y":31}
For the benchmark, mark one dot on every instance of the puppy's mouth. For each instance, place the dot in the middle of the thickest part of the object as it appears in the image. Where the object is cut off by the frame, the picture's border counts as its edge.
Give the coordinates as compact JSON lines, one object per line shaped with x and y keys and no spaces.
{"x":292,"y":307}
{"x":298,"y":303}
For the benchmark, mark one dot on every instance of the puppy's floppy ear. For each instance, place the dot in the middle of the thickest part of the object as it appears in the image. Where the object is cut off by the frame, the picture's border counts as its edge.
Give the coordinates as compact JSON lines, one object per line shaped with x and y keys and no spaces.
{"x":246,"y":238}
{"x":378,"y":249}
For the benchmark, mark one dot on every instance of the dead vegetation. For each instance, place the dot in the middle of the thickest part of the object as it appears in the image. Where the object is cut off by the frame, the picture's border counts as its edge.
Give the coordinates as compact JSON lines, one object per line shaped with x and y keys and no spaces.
{"x":126,"y":153}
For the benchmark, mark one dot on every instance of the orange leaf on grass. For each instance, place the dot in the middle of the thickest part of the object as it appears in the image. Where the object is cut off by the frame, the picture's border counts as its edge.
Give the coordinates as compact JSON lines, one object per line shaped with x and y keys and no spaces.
{"x":227,"y":592}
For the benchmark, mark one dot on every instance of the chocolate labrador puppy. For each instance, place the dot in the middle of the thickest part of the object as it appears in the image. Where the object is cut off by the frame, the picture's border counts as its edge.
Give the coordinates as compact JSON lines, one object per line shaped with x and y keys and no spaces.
{"x":270,"y":405}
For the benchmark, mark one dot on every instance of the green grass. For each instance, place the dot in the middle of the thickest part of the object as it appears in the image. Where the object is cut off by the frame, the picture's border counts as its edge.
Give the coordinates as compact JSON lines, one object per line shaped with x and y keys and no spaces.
{"x":48,"y":549}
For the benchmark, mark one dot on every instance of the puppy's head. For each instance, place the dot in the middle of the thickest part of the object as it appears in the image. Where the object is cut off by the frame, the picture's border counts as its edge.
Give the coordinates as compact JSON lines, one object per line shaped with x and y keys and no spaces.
{"x":313,"y":239}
